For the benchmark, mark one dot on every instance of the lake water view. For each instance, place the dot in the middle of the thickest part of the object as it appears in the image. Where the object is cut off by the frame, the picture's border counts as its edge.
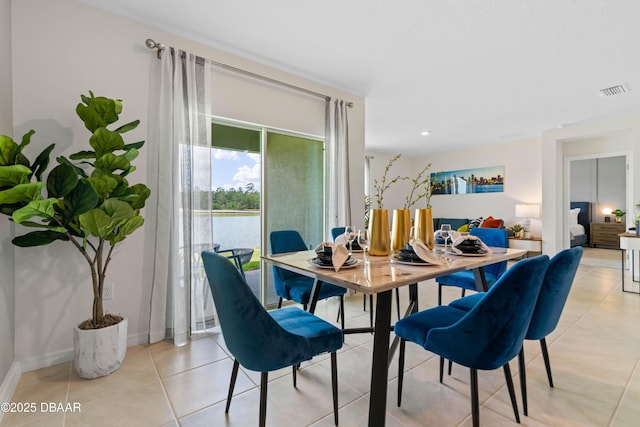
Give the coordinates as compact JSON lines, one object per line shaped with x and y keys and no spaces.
{"x":236,"y":230}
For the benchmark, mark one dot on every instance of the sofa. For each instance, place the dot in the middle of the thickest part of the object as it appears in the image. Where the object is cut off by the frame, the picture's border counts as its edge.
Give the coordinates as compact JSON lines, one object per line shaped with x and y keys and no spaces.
{"x":465,"y":224}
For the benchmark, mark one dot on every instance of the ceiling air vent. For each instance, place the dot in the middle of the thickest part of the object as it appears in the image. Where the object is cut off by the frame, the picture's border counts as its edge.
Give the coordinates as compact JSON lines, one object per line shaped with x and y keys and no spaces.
{"x":614,"y":90}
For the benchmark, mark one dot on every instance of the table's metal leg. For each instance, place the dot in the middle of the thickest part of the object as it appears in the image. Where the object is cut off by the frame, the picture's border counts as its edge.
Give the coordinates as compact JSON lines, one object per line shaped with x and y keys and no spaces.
{"x":379,"y":370}
{"x":481,"y":280}
{"x":313,"y":298}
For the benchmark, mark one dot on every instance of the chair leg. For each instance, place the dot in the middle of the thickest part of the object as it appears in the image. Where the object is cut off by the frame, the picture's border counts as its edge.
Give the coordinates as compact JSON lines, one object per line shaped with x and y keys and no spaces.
{"x":439,"y":294}
{"x":450,"y":365}
{"x":295,"y":375}
{"x":475,"y":405}
{"x":398,"y":302}
{"x":547,"y":363}
{"x":441,"y":368}
{"x":280,"y":302}
{"x":232,"y":384}
{"x":401,"y":369}
{"x":463,"y":292}
{"x":523,"y":381}
{"x":512,"y":392}
{"x":264,"y":379}
{"x":334,"y":385}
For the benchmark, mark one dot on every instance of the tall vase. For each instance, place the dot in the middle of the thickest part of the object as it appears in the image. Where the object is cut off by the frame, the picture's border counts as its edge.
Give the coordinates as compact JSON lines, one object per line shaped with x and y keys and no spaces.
{"x":424,"y":226}
{"x":379,"y":232}
{"x":400,"y":229}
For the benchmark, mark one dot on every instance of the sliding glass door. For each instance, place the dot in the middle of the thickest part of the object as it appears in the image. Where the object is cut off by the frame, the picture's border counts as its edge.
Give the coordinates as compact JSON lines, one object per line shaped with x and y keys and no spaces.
{"x":263,"y":180}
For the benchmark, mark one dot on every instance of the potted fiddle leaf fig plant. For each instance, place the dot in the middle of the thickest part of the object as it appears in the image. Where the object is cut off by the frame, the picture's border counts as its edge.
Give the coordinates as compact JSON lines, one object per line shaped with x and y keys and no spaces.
{"x":90,"y":203}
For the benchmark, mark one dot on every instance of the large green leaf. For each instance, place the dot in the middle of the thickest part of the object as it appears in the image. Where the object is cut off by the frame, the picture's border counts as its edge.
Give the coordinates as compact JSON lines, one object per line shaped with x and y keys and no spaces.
{"x":82,"y":199}
{"x":13,"y":175}
{"x":98,"y":112}
{"x":97,"y":223}
{"x":137,"y":145}
{"x":81,"y":155}
{"x":79,"y":171}
{"x":26,"y":139}
{"x":142,"y":193}
{"x":21,"y":193}
{"x":105,"y":141}
{"x":129,"y":126}
{"x":62,"y":180}
{"x":36,"y":208}
{"x":8,"y":151}
{"x":111,"y":162}
{"x":119,"y":211}
{"x":127,"y":228}
{"x":41,"y":162}
{"x":38,"y":238}
{"x":103,"y":184}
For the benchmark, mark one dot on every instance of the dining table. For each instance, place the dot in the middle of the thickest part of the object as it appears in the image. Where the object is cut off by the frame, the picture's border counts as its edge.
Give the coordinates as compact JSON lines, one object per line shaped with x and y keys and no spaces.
{"x":380,"y":276}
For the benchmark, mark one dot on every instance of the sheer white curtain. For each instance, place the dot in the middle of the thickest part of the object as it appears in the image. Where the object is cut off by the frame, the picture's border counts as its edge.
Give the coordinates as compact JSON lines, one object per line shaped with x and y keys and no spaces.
{"x":182,"y":167}
{"x":337,"y":148}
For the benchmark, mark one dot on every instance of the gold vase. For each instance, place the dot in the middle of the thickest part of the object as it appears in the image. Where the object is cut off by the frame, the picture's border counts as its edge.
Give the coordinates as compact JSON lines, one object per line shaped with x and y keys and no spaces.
{"x":424,"y":226}
{"x":400,"y":229}
{"x":379,"y":232}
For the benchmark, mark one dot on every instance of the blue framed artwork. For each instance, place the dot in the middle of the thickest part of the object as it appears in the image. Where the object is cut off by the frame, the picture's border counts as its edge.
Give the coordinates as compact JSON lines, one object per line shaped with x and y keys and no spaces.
{"x":467,"y":181}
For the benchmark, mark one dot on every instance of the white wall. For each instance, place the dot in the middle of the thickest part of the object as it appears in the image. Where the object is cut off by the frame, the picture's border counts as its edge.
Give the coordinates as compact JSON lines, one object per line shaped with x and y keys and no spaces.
{"x":521,"y":161}
{"x":63,"y":49}
{"x":7,"y":254}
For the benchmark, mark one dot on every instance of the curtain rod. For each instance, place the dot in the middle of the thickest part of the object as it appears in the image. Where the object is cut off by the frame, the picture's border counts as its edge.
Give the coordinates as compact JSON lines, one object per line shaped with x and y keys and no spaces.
{"x":151,"y":44}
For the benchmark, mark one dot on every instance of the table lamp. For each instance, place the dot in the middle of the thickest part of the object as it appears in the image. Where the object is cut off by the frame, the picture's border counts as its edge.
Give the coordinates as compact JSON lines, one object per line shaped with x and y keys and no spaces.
{"x":606,"y":212}
{"x":527,"y":212}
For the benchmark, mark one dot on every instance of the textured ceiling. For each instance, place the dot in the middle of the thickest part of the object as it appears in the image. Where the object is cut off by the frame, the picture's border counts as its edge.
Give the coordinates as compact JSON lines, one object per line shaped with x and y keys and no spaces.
{"x":470,"y":71}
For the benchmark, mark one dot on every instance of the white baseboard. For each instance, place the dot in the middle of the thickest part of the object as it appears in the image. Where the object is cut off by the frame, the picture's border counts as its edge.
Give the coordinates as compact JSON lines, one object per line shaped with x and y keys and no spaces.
{"x":8,"y":386}
{"x":62,"y":356}
{"x":46,"y":360}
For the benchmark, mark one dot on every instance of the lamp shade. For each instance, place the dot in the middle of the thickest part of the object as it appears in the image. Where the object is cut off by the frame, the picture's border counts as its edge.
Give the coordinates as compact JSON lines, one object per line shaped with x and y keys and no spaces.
{"x":607,"y":211}
{"x":527,"y":211}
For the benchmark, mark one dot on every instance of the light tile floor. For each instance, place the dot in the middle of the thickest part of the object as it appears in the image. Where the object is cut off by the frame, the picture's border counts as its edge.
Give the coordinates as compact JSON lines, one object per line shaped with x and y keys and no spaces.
{"x":595,"y":355}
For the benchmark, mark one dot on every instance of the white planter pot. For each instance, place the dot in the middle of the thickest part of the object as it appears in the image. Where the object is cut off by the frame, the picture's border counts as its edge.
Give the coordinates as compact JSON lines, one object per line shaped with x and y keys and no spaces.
{"x":99,"y":352}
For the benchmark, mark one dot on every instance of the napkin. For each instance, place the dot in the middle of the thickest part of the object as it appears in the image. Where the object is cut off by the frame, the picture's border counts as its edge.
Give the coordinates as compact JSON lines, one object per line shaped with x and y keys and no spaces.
{"x":339,"y":254}
{"x":423,"y":252}
{"x":460,"y":239}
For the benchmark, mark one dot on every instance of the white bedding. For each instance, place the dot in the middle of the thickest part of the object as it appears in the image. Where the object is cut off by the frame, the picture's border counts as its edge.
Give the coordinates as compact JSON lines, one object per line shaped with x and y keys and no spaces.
{"x":576,"y":230}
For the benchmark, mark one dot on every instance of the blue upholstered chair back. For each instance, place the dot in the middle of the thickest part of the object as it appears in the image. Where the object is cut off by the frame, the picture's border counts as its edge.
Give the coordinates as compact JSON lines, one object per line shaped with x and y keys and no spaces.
{"x":491,"y":333}
{"x":336,"y":231}
{"x":497,"y":238}
{"x":283,"y":241}
{"x":555,"y":290}
{"x":254,"y":338}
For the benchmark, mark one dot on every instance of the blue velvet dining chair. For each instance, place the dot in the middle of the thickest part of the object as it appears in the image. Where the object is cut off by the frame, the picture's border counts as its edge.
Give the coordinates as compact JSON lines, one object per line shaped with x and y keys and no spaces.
{"x":492,"y":237}
{"x":265,"y":341}
{"x":485,"y":338}
{"x":553,"y":296}
{"x":293,"y":286}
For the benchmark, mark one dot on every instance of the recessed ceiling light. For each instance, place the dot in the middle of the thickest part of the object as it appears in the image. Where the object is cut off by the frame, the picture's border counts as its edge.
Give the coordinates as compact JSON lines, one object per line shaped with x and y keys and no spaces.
{"x":425,"y":133}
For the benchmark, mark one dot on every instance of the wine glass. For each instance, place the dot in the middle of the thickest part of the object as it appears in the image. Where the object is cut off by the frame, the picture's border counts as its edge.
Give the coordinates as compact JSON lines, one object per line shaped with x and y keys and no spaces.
{"x":445,"y":232}
{"x":363,"y":241}
{"x":350,"y":235}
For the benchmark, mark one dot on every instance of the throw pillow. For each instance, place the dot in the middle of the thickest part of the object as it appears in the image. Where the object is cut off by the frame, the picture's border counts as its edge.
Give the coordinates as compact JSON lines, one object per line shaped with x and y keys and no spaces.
{"x":491,"y":222}
{"x":475,"y":223}
{"x":573,"y":216}
{"x":464,"y":228}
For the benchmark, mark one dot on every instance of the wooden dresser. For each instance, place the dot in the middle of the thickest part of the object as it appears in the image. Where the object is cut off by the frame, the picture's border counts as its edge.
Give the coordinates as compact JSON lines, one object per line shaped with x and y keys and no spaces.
{"x":606,"y":234}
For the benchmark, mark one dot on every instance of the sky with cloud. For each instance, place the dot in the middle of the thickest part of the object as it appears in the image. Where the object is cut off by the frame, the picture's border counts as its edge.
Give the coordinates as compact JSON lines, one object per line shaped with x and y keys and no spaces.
{"x":229,"y":169}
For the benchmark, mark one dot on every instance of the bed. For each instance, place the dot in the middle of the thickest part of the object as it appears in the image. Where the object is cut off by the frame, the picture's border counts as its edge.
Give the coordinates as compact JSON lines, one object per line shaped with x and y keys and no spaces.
{"x":579,"y":219}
